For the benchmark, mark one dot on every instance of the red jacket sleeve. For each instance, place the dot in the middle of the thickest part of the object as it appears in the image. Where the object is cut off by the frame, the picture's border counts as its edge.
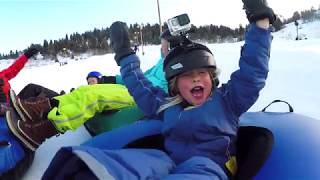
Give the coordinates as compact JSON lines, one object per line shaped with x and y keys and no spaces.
{"x":15,"y":68}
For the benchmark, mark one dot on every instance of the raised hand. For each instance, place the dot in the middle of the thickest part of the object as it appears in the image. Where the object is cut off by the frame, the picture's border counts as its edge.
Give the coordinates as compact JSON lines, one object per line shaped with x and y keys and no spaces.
{"x":119,"y":40}
{"x":257,"y":10}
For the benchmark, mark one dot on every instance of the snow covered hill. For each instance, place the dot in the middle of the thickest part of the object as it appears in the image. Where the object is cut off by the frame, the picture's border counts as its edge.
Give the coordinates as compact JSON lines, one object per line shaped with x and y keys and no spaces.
{"x":306,"y":30}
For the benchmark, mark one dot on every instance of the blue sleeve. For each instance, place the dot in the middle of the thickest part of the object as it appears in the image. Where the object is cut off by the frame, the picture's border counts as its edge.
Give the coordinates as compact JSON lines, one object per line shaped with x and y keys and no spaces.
{"x":147,"y":97}
{"x":244,"y":86}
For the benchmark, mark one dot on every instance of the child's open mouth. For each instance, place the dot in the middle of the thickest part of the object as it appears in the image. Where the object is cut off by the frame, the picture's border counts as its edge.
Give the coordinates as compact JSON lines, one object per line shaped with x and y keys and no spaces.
{"x":197,"y":91}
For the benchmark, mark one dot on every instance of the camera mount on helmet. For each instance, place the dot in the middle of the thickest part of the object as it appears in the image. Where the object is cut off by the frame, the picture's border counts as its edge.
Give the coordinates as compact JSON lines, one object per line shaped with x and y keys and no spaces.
{"x":186,"y":55}
{"x":179,"y":27}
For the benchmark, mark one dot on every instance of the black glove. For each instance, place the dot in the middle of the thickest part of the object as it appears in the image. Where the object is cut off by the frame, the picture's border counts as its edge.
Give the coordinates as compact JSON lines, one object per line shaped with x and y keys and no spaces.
{"x":62,"y":92}
{"x":30,"y":52}
{"x":257,"y":10}
{"x":119,"y":39}
{"x":3,"y":97}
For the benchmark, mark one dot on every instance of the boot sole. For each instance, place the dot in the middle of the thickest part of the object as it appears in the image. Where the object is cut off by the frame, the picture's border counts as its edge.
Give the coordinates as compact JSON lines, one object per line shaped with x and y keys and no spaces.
{"x":17,"y":108}
{"x":14,"y":129}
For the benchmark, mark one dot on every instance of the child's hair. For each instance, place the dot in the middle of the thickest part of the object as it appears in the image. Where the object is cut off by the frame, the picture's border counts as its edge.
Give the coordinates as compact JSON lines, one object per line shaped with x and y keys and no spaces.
{"x":175,"y":97}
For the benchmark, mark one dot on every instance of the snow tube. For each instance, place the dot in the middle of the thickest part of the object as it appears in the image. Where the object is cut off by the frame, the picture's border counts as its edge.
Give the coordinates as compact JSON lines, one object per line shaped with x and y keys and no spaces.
{"x":271,"y":145}
{"x":128,"y":134}
{"x":109,"y":120}
{"x":15,"y":159}
{"x":295,"y":152}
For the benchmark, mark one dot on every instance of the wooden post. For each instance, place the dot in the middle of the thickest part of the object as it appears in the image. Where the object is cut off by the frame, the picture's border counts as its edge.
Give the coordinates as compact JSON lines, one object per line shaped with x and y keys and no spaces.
{"x":159,"y":16}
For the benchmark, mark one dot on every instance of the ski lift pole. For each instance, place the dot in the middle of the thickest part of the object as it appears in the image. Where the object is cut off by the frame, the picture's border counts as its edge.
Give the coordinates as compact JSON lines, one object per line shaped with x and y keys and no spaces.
{"x":141,"y":39}
{"x":160,"y":24}
{"x":296,"y":24}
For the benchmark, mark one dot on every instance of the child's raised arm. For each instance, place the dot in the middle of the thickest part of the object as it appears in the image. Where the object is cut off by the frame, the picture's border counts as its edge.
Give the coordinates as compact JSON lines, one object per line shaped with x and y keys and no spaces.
{"x":245,"y":84}
{"x":147,"y":97}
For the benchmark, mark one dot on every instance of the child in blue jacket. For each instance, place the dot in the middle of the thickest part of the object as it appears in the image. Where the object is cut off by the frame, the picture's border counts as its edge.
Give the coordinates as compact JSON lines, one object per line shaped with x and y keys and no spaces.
{"x":200,"y":120}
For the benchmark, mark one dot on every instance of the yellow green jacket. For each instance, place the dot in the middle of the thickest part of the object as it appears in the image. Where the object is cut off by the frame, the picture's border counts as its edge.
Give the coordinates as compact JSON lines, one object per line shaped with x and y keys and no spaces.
{"x":83,"y":103}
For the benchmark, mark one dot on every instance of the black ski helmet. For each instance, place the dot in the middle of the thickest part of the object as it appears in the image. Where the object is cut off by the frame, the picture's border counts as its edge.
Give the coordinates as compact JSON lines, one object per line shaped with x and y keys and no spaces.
{"x":187,"y":57}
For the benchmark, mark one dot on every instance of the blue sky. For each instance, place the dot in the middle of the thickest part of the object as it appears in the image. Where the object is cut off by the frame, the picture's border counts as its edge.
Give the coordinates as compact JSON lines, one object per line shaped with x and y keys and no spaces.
{"x":31,"y":21}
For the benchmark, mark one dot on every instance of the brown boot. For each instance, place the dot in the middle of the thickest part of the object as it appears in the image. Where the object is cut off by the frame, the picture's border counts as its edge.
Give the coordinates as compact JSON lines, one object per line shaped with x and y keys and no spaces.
{"x":31,"y":133}
{"x":32,"y":109}
{"x":36,"y":109}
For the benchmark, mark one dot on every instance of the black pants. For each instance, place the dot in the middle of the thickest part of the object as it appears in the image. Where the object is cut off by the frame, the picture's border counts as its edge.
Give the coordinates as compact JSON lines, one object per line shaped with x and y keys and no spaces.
{"x":35,"y":90}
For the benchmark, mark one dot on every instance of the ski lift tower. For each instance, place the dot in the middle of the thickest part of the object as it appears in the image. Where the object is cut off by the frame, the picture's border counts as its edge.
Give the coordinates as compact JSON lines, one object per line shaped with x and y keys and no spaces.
{"x":297,"y":27}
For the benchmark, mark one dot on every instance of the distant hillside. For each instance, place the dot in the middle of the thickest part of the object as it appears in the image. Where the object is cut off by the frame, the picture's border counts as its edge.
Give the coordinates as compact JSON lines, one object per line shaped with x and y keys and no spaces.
{"x":306,"y":30}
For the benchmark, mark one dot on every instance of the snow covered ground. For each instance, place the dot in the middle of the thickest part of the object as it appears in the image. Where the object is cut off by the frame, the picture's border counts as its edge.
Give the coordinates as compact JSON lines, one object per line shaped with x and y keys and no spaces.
{"x":293,"y":77}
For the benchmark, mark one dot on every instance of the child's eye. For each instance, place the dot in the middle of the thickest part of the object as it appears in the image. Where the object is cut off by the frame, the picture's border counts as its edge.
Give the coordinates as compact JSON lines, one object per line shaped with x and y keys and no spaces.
{"x":185,"y":74}
{"x":202,"y":72}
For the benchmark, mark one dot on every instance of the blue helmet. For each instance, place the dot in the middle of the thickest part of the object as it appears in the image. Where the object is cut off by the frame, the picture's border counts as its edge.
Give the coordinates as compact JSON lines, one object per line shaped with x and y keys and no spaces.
{"x":95,"y":74}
